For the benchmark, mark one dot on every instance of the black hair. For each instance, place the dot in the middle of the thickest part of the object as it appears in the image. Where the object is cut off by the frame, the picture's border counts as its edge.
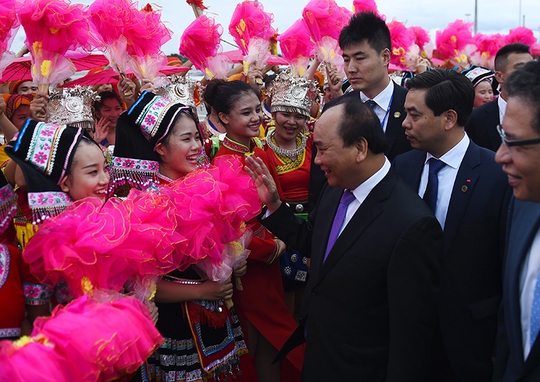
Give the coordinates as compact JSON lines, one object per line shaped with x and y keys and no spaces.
{"x":366,"y":26}
{"x":446,"y":89}
{"x":103,"y":96}
{"x":524,"y":83}
{"x":85,"y":139}
{"x":501,"y":58}
{"x":359,"y":121}
{"x":223,"y":95}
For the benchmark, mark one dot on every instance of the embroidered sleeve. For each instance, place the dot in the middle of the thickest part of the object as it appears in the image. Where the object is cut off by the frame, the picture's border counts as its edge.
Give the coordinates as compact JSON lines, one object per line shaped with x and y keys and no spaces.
{"x":36,"y":294}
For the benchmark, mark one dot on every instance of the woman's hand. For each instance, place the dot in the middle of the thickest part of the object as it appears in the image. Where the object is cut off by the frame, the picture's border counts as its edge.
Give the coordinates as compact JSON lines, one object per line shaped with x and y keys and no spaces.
{"x":241,"y":269}
{"x":127,"y":90}
{"x":101,"y":129}
{"x":154,"y":312}
{"x":148,"y":85}
{"x":213,"y":290}
{"x":39,"y":106}
{"x":266,"y":187}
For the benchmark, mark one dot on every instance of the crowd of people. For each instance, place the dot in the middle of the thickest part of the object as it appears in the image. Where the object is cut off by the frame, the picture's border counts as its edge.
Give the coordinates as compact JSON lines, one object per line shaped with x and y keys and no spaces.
{"x":343,"y":225}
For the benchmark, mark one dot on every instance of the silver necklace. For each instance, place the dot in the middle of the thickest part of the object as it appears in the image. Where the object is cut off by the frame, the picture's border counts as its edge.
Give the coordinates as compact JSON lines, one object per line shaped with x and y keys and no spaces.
{"x":288,"y":153}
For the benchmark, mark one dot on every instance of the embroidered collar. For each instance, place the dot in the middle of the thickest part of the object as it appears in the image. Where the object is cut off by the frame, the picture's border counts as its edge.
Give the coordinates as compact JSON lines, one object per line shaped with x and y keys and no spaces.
{"x":235,"y":146}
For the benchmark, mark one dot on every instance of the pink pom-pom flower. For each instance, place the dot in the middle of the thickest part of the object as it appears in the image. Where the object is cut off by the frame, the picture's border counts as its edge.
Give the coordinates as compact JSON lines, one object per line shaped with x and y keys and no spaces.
{"x":201,"y":43}
{"x":297,"y":47}
{"x":455,"y":44}
{"x":9,"y":24}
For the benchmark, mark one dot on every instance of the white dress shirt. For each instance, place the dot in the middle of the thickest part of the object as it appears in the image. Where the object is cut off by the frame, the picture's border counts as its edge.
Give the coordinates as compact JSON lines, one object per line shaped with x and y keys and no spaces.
{"x":383,"y":101}
{"x":527,"y":284}
{"x":447,"y":177}
{"x":502,"y":108}
{"x":362,"y":191}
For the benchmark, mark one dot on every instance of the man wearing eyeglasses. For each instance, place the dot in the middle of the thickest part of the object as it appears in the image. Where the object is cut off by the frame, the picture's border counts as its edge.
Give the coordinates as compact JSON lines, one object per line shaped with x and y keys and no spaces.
{"x":468,"y":193}
{"x":518,"y":347}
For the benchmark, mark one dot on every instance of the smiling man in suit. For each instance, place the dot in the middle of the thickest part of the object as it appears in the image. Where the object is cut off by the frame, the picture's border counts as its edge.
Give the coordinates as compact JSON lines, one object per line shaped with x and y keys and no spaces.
{"x":518,"y":344}
{"x":469,"y":194}
{"x":369,"y":308}
{"x":482,"y":126}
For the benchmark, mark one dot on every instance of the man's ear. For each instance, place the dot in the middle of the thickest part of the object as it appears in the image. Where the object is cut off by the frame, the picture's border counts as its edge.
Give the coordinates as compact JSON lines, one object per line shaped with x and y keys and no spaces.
{"x":385,"y":54}
{"x":450,"y":119}
{"x":362,"y":149}
{"x":65,"y":184}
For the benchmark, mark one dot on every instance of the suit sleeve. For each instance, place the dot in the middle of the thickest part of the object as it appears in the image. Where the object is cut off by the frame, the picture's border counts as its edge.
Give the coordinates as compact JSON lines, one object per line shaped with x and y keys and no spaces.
{"x":413,"y":282}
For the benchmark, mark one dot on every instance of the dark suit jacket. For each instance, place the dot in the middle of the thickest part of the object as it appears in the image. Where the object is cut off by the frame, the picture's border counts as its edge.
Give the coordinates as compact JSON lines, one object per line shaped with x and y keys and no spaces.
{"x":482,"y":126}
{"x":370,"y":308}
{"x":524,"y":222}
{"x":395,"y":137}
{"x":473,"y":251}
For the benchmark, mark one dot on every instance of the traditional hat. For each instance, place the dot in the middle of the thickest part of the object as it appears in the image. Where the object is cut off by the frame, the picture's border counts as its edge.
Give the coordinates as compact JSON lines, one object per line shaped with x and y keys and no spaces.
{"x":44,"y":152}
{"x":16,"y":100}
{"x":477,"y":74}
{"x":138,"y":131}
{"x":73,"y":106}
{"x":293,"y":94}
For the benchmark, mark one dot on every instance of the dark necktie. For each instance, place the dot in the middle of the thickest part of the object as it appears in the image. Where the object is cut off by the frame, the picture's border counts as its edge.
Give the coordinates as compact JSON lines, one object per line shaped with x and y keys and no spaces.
{"x":372,"y":104}
{"x":430,"y":196}
{"x":339,"y":219}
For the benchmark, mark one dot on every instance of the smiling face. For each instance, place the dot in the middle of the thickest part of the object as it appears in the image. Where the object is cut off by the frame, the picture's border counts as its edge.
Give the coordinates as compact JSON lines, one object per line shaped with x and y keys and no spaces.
{"x":27,"y":87}
{"x":483,"y":93}
{"x":333,"y":157}
{"x":366,"y":69}
{"x":243,"y":121}
{"x":520,"y":163}
{"x":288,"y":125}
{"x":180,"y":150}
{"x":111,"y":110}
{"x":88,"y":175}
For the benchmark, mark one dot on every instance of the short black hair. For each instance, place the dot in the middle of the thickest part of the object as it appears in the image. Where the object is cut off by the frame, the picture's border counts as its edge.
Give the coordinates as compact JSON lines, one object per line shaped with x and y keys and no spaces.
{"x":524,"y":83}
{"x":501,"y":58}
{"x":359,"y":121}
{"x":446,"y":89}
{"x":366,"y":26}
{"x":103,"y":96}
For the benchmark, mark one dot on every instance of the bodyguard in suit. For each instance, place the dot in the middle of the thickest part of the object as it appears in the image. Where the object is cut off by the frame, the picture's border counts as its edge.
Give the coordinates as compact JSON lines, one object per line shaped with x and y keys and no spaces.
{"x":518,"y":344}
{"x":366,"y":46}
{"x":482,"y":126}
{"x":369,"y":310}
{"x":469,"y":195}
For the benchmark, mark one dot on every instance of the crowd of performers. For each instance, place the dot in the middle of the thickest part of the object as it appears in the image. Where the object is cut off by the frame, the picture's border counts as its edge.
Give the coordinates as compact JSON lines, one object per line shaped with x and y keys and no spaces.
{"x":131,"y":248}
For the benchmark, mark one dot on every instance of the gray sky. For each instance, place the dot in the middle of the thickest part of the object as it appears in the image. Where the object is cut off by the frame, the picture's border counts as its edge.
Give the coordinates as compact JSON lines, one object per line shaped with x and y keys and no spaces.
{"x":493,"y":15}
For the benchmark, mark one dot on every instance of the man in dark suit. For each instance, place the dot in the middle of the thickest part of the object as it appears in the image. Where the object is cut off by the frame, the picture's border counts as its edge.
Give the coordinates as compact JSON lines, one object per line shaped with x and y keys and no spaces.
{"x":482,"y":126}
{"x":518,"y":344}
{"x":369,"y":306}
{"x":366,"y":46}
{"x":470,"y":200}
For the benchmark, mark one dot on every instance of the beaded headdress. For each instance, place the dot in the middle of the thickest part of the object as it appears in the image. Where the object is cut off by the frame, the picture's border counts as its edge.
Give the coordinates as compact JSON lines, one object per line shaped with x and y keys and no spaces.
{"x":73,"y":106}
{"x":138,"y":131}
{"x":293,"y":94}
{"x":180,"y":89}
{"x":44,"y":152}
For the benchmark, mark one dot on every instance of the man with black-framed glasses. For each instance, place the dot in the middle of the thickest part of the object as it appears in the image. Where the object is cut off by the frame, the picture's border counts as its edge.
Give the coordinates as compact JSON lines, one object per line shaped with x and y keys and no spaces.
{"x":518,"y":347}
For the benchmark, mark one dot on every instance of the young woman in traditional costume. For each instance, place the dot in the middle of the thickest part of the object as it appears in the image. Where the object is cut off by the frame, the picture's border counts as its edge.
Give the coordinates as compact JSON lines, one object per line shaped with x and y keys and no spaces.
{"x":261,"y":303}
{"x":203,"y":338}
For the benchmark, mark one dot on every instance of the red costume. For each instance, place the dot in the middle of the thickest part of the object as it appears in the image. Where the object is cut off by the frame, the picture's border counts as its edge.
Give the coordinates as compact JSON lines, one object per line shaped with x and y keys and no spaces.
{"x":261,"y":300}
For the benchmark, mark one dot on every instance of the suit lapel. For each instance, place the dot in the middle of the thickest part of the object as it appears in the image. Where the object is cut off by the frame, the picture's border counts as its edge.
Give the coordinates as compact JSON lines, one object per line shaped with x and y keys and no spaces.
{"x":393,"y":126}
{"x":368,"y":211}
{"x":461,"y":193}
{"x":524,"y":224}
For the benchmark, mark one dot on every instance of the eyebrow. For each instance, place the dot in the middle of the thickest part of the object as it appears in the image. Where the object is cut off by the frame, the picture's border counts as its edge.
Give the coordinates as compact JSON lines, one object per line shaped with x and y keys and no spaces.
{"x":359,"y":53}
{"x":412,"y":108}
{"x":90,"y":165}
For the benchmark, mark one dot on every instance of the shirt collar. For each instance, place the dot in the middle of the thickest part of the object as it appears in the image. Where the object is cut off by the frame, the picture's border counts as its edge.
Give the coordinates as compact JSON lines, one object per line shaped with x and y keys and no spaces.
{"x":362,"y":191}
{"x":383,"y":98}
{"x":502,"y":106}
{"x":454,"y":156}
